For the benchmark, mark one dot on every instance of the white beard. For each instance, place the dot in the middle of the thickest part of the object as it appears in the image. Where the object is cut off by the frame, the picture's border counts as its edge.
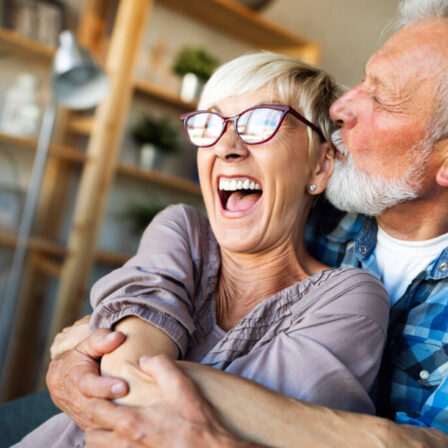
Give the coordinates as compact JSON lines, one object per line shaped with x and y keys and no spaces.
{"x":353,"y":190}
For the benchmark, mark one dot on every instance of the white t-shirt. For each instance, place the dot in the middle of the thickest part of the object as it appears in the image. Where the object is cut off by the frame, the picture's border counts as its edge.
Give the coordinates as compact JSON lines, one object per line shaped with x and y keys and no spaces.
{"x":399,"y":261}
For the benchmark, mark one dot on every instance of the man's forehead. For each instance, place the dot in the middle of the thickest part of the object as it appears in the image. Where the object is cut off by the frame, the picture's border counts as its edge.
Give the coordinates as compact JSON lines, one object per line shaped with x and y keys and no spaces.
{"x":414,"y":53}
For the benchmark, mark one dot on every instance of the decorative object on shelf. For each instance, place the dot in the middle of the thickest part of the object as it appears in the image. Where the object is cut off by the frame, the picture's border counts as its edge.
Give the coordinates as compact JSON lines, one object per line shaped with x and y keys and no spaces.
{"x":195,"y":65}
{"x":156,"y":137}
{"x":50,"y":21}
{"x":42,"y":20}
{"x":21,"y":110}
{"x":141,"y":215}
{"x":5,"y":13}
{"x":74,"y":74}
{"x":23,"y":17}
{"x":11,"y":195}
{"x":78,"y":83}
{"x":255,"y":4}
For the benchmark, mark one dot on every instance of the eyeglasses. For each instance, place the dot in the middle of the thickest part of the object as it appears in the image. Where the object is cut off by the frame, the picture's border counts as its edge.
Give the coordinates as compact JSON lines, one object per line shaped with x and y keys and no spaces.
{"x":253,"y":126}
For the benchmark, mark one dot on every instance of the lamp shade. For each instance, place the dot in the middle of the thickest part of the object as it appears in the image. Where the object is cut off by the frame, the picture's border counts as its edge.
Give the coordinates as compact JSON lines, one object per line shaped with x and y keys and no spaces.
{"x":78,"y":83}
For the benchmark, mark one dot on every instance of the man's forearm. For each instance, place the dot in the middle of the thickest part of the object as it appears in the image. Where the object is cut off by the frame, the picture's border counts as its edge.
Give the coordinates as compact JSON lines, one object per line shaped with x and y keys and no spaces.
{"x":256,"y":413}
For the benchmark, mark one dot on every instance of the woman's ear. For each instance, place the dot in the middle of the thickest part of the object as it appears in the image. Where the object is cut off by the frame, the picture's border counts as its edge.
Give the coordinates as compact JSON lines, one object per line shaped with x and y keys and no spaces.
{"x":322,"y":170}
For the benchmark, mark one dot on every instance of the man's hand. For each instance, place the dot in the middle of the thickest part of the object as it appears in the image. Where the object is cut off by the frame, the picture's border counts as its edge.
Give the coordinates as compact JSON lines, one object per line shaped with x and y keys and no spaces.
{"x":75,"y":384}
{"x":180,"y":417}
{"x":69,"y":337}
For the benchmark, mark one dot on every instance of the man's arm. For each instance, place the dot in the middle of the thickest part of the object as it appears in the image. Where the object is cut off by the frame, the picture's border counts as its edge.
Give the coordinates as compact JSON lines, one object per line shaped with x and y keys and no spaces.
{"x":244,"y":407}
{"x":247,"y":410}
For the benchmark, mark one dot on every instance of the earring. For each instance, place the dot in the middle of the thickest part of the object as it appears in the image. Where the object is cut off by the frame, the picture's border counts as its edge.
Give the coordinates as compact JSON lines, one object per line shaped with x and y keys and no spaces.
{"x":312,"y":187}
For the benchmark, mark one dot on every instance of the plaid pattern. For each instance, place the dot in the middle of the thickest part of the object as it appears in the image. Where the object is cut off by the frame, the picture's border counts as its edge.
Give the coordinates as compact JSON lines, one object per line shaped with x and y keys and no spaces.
{"x":413,"y":381}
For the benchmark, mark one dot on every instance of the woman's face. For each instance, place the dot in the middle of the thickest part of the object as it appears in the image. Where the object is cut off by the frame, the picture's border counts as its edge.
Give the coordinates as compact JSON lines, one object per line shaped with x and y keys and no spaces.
{"x":258,"y":220}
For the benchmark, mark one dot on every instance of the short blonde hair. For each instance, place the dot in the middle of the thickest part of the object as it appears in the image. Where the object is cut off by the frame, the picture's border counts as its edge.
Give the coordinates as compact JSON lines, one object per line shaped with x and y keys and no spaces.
{"x":306,"y":88}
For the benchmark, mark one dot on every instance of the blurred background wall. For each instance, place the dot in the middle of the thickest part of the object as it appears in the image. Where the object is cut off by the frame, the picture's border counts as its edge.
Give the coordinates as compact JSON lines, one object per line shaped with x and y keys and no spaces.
{"x":134,"y":179}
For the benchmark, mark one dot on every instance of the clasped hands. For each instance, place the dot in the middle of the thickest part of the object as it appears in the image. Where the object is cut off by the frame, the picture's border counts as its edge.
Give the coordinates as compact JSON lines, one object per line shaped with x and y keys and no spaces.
{"x":176,"y":414}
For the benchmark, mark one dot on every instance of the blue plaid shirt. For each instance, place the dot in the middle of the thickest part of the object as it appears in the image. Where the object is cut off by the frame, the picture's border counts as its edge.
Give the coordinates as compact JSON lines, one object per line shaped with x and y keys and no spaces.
{"x":413,"y":380}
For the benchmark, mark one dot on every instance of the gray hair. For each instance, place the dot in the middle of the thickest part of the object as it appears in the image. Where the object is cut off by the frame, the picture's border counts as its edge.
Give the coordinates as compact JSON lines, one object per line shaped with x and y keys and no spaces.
{"x":302,"y":86}
{"x":411,"y":11}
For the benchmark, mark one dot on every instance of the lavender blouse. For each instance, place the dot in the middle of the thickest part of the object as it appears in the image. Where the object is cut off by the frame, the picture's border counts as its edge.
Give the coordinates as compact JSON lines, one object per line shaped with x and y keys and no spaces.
{"x":299,"y":342}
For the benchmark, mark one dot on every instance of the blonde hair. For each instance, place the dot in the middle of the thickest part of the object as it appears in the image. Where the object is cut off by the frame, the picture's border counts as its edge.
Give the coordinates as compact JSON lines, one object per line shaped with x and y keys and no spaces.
{"x":306,"y":88}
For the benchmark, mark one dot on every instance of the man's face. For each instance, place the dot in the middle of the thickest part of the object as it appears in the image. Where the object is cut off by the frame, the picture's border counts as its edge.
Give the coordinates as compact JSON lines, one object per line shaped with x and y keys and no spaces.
{"x":384,"y":120}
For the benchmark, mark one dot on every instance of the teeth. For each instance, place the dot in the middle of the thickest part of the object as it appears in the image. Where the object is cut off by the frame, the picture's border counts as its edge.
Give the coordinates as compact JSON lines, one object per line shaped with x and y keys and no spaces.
{"x":241,"y":184}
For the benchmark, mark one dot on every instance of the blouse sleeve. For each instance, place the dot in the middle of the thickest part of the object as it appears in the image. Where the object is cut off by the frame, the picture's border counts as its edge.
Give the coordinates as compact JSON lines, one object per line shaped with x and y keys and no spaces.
{"x":330,"y":356}
{"x":158,"y":283}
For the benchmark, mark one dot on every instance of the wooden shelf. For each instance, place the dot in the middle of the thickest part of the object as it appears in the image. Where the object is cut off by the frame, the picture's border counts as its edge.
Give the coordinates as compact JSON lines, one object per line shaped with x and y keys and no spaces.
{"x":112,"y":258}
{"x":176,"y":183}
{"x":34,"y":244}
{"x":12,"y":43}
{"x":78,"y":124}
{"x":48,"y":248}
{"x":243,"y":23}
{"x":74,"y":155}
{"x":60,"y":151}
{"x":163,"y":94}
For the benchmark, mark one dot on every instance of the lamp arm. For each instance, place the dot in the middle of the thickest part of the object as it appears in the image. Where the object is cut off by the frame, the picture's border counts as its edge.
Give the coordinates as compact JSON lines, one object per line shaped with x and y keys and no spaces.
{"x":10,"y":300}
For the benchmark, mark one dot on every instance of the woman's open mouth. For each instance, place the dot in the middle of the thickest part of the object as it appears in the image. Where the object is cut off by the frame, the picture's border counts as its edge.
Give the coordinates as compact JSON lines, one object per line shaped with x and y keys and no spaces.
{"x":238,"y":194}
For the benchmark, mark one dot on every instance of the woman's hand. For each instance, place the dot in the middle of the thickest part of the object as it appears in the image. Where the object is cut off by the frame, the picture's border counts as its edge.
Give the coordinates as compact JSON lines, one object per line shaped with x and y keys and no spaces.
{"x":69,"y":337}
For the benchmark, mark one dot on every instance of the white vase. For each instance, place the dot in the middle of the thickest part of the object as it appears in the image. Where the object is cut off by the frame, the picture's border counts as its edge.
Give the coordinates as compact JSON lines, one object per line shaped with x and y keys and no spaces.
{"x":191,"y":87}
{"x":151,"y":158}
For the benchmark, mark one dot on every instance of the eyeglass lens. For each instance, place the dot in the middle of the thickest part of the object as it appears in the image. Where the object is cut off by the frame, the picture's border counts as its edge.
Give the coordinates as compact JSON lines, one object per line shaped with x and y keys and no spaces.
{"x":253,"y":126}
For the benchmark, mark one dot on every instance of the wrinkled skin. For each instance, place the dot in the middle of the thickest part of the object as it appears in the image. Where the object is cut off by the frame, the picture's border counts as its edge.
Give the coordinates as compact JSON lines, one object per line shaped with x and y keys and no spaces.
{"x":70,"y":337}
{"x":179,"y":418}
{"x":74,"y":380}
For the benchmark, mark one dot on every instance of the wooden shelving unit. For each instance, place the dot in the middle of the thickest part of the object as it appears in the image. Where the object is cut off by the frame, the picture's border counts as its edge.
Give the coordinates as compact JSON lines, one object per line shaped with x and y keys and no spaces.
{"x":12,"y":43}
{"x":60,"y":151}
{"x":49,"y":248}
{"x":172,"y":182}
{"x":72,"y":263}
{"x":35,"y":245}
{"x":160,"y":93}
{"x":75,"y":155}
{"x":241,"y":22}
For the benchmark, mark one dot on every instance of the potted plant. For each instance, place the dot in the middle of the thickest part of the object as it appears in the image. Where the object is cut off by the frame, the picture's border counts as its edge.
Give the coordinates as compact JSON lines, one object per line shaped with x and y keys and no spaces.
{"x":195,"y":65}
{"x":141,"y":215}
{"x":155,"y":137}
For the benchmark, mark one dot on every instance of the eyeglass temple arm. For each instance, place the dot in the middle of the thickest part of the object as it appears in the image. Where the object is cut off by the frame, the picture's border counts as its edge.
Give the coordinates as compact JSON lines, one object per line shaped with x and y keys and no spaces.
{"x":308,"y":123}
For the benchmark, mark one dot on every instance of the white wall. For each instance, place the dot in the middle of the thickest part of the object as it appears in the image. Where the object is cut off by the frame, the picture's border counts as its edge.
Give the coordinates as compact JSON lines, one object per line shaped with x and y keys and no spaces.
{"x":349,"y":30}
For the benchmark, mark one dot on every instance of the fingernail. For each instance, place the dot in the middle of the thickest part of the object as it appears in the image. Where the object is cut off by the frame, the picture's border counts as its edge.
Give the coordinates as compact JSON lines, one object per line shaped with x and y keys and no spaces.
{"x":144,"y":359}
{"x":118,"y":389}
{"x":112,"y":335}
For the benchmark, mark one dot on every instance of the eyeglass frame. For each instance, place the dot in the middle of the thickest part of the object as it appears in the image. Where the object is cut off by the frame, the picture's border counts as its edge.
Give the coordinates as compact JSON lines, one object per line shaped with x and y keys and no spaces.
{"x":281,"y":107}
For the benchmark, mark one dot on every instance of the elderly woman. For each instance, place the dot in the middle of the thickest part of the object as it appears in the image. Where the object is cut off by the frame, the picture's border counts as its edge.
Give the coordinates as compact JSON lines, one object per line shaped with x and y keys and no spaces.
{"x":238,"y":291}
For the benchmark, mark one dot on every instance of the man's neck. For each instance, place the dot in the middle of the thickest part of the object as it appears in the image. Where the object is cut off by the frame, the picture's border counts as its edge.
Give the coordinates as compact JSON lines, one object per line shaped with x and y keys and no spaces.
{"x":416,"y":220}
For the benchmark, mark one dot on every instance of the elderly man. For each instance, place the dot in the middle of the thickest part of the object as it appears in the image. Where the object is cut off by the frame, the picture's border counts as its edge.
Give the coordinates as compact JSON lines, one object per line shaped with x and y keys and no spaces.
{"x":393,"y":165}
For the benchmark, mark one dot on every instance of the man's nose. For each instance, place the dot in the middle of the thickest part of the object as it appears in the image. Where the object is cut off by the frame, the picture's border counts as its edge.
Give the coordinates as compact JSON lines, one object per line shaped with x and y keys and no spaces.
{"x":342,"y":111}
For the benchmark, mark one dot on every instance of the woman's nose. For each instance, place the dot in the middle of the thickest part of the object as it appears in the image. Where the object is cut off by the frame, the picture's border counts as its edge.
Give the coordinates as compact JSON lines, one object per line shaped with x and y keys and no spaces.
{"x":342,"y":111}
{"x":229,"y":147}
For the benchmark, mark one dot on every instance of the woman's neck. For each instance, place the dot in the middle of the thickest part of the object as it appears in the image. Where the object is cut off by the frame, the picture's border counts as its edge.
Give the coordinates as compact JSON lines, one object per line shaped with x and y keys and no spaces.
{"x":246,"y":280}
